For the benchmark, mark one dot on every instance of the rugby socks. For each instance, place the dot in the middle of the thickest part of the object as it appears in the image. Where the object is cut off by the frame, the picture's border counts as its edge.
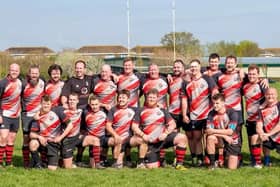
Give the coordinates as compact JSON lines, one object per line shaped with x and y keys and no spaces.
{"x":35,"y":158}
{"x":221,"y":159}
{"x":266,"y":160}
{"x":43,"y":154}
{"x":9,"y":154}
{"x":212,"y":159}
{"x":128,"y":158}
{"x":180,"y":154}
{"x":256,"y":153}
{"x":162,"y":157}
{"x":96,"y":154}
{"x":80,"y":152}
{"x":199,"y":158}
{"x":25,"y":155}
{"x":2,"y":151}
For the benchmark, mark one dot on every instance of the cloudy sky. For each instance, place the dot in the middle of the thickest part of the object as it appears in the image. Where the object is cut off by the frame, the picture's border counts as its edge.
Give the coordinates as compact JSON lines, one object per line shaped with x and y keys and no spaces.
{"x":60,"y":24}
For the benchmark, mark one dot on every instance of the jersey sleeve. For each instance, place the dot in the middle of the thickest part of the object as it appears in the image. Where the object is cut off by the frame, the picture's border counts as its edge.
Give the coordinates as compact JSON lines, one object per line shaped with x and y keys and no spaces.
{"x":66,"y":89}
{"x":60,"y":113}
{"x":183,"y":93}
{"x":110,"y":116}
{"x":210,"y":122}
{"x":3,"y":84}
{"x":35,"y":127}
{"x":211,"y":83}
{"x":167,"y":116}
{"x":233,"y":119}
{"x":136,"y":118}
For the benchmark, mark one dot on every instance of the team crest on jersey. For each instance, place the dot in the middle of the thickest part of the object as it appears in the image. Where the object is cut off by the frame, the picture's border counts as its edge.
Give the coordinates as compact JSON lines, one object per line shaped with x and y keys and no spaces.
{"x":274,"y":112}
{"x":84,"y":90}
{"x":77,"y":86}
{"x":236,"y":79}
{"x":158,"y":113}
{"x":160,"y":85}
{"x":112,"y":86}
{"x":202,"y":86}
{"x":51,"y":118}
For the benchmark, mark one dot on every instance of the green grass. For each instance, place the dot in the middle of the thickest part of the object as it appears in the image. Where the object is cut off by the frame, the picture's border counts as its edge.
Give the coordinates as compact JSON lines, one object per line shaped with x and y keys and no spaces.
{"x":245,"y":176}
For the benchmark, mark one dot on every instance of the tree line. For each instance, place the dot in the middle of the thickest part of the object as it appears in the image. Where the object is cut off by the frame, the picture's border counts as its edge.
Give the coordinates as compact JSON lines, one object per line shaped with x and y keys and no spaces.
{"x":187,"y":44}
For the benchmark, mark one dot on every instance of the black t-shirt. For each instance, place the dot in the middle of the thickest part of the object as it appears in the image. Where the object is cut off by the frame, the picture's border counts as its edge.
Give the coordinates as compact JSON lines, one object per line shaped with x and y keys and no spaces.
{"x":80,"y":86}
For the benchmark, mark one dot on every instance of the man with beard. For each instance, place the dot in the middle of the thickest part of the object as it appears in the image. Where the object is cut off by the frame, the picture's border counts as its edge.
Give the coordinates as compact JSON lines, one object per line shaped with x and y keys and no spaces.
{"x":80,"y":84}
{"x":55,"y":84}
{"x":33,"y":90}
{"x":157,"y":130}
{"x":119,"y":124}
{"x":253,"y":93}
{"x":10,"y":107}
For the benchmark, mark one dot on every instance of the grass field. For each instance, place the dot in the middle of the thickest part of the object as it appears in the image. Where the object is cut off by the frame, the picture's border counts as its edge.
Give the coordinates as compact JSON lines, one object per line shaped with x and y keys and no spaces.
{"x":245,"y":176}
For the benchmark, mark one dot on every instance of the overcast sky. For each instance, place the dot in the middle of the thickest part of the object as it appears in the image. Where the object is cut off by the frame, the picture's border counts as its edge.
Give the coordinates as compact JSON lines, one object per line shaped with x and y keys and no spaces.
{"x":60,"y":24}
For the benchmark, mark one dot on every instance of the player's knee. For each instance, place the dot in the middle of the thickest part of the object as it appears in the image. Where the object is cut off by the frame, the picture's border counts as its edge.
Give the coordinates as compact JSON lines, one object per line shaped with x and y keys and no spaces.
{"x":33,"y":145}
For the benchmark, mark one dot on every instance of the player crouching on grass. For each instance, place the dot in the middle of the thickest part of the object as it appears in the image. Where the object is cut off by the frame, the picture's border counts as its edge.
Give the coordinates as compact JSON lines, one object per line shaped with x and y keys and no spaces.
{"x":221,"y":130}
{"x":45,"y":134}
{"x":157,"y":129}
{"x":120,"y":119}
{"x":95,"y":121}
{"x":268,"y":125}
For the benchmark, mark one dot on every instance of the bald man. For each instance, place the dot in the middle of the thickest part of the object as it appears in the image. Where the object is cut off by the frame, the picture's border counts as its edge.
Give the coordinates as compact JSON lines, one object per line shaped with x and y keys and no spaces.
{"x":268,"y":125}
{"x":10,"y":108}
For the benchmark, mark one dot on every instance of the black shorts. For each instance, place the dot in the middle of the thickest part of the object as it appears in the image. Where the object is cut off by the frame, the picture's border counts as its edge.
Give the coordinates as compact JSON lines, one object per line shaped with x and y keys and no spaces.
{"x":232,"y":149}
{"x":251,"y":128}
{"x":26,"y":123}
{"x":104,"y":141}
{"x":10,"y":123}
{"x":53,"y":150}
{"x":195,"y":125}
{"x":178,"y":120}
{"x":69,"y":144}
{"x":270,"y":144}
{"x":125,"y":144}
{"x":154,"y":148}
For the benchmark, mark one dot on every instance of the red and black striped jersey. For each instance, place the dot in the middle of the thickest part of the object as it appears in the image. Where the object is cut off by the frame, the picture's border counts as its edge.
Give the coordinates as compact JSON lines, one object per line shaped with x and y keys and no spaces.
{"x":105,"y":91}
{"x":95,"y":123}
{"x":230,"y":85}
{"x":70,"y":116}
{"x":198,"y":93}
{"x":270,"y":117}
{"x":254,"y":97}
{"x":132,"y":84}
{"x":121,"y":119}
{"x":48,"y":125}
{"x":160,"y":84}
{"x":175,"y":89}
{"x":10,"y":97}
{"x":53,"y":89}
{"x":227,"y":120}
{"x":153,"y":122}
{"x":31,"y":97}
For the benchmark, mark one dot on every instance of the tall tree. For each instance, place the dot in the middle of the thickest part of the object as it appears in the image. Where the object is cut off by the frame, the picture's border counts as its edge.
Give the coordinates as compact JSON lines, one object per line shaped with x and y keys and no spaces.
{"x":223,"y":48}
{"x":185,"y":43}
{"x":247,"y":48}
